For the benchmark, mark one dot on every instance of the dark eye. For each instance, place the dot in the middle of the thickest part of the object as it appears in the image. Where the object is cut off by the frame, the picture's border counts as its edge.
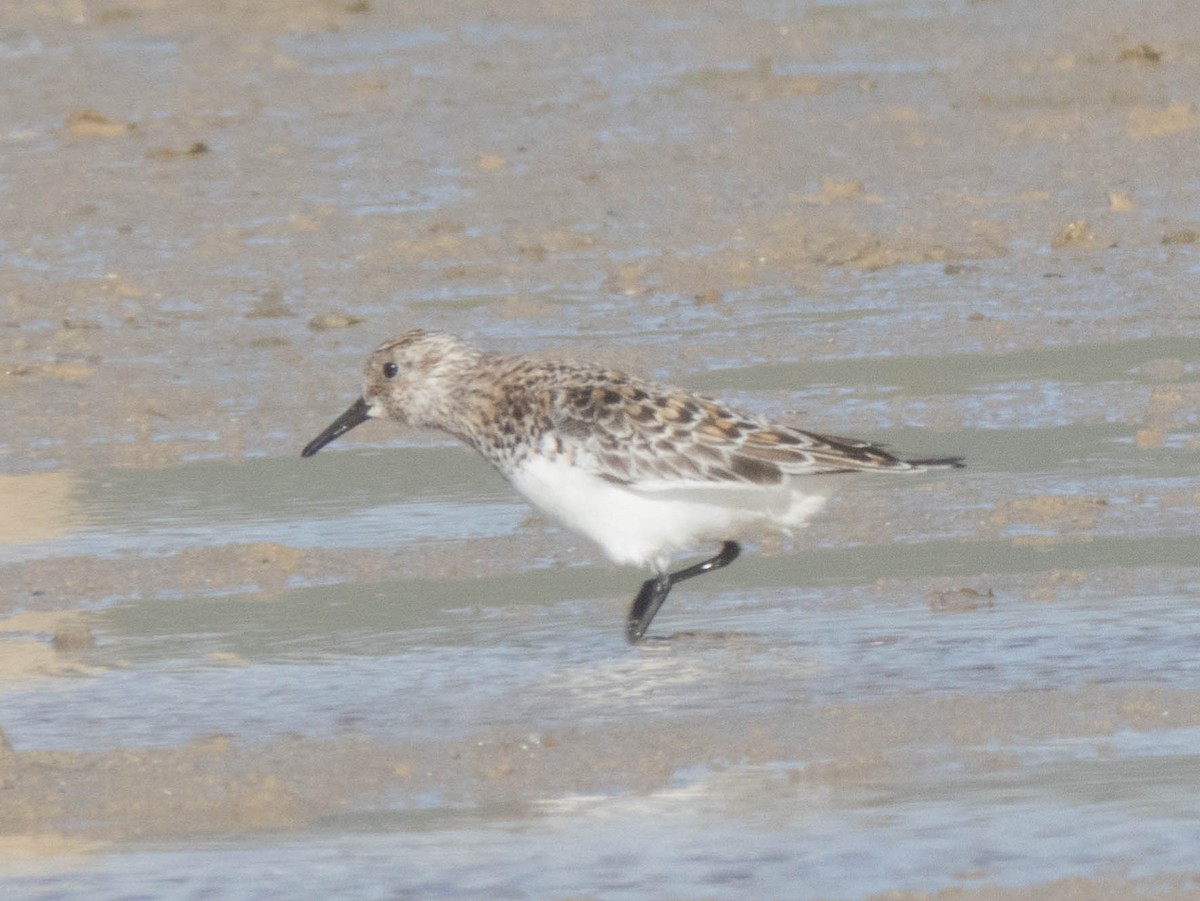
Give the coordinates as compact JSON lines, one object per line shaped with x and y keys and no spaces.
{"x":390,"y":370}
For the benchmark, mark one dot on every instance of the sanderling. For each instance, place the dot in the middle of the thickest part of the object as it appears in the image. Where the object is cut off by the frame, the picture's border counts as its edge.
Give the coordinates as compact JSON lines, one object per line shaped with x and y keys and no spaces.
{"x":644,"y":470}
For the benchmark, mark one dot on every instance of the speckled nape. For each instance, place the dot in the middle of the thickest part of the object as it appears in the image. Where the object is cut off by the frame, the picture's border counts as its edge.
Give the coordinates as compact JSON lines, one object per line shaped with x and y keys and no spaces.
{"x":644,"y":470}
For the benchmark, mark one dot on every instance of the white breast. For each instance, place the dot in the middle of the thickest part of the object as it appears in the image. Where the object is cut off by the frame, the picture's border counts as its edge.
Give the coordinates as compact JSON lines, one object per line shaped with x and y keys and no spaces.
{"x":646,"y":525}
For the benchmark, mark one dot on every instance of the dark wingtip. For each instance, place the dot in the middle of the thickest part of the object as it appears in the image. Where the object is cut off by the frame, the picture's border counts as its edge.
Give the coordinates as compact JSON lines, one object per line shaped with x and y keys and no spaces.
{"x":939,"y":463}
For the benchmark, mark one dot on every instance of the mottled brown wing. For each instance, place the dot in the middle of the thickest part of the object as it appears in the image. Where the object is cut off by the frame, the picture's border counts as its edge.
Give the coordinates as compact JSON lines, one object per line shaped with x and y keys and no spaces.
{"x":632,"y":431}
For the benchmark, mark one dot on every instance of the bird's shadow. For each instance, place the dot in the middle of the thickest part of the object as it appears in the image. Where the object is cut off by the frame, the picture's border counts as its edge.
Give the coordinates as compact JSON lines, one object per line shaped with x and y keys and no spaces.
{"x":663,"y":641}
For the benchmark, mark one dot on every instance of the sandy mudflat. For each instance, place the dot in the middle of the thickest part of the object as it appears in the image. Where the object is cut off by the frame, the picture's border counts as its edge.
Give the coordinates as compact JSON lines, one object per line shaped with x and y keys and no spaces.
{"x":954,"y":227}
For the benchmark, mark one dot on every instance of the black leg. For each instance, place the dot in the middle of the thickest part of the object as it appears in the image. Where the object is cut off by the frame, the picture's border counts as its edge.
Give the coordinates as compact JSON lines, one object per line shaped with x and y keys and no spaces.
{"x":645,"y":605}
{"x":729,"y":553}
{"x":654,"y":591}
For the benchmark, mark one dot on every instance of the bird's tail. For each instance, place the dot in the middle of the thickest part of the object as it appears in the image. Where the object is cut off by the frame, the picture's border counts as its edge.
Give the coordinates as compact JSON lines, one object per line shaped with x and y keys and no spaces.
{"x":939,"y":463}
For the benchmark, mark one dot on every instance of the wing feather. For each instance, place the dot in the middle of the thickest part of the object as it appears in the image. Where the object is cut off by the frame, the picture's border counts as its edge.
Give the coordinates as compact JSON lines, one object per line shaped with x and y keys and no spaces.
{"x":634,"y":432}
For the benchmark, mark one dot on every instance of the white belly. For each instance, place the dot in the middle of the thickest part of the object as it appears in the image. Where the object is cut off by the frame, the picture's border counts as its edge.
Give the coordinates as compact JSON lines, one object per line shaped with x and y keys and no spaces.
{"x":646,"y":526}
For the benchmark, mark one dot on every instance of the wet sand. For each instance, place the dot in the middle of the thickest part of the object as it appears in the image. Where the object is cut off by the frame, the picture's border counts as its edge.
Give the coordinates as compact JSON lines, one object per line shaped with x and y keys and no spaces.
{"x":957,"y":228}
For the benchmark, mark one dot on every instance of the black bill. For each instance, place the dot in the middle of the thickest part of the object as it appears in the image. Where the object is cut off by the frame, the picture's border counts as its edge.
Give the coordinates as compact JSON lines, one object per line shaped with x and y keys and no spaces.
{"x":356,"y":415}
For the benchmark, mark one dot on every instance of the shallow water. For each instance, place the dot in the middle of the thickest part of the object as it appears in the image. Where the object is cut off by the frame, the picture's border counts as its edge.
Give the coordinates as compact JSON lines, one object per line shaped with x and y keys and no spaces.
{"x":537,"y":651}
{"x":757,"y":830}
